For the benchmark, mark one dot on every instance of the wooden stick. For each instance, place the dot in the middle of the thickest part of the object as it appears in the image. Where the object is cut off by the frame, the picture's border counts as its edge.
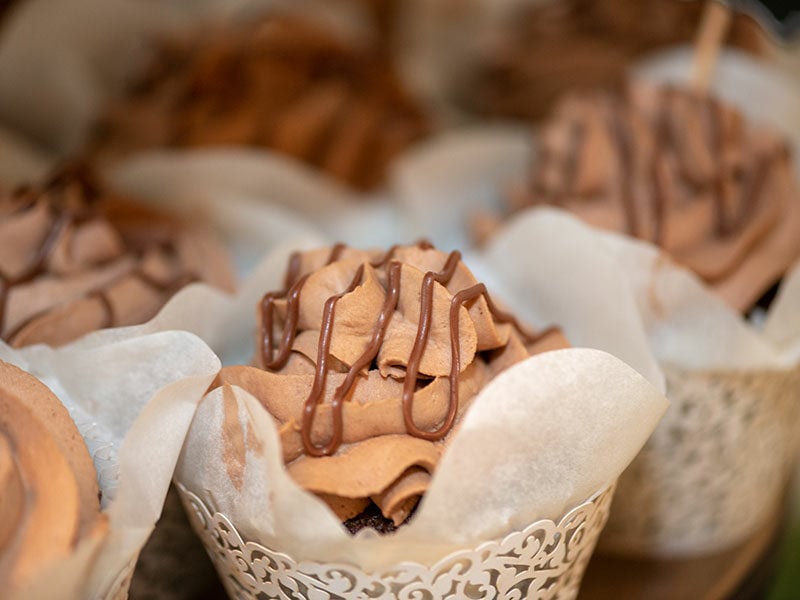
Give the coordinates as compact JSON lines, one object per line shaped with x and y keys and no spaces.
{"x":713,"y":31}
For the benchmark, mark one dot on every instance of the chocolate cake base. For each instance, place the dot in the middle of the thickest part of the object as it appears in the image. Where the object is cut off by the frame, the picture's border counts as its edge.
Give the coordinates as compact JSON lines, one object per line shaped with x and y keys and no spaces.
{"x":766,"y":299}
{"x":372,"y":517}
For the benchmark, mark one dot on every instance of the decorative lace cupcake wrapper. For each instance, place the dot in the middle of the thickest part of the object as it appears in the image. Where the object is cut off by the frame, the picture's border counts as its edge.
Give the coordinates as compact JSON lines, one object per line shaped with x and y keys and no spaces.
{"x":546,"y":560}
{"x":714,"y":469}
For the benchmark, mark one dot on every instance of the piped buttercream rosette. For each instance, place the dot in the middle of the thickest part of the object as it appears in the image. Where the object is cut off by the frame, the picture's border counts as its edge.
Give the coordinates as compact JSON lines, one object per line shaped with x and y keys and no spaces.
{"x":682,"y":170}
{"x":282,"y":82}
{"x":75,"y":257}
{"x":367,"y":361}
{"x":51,"y":501}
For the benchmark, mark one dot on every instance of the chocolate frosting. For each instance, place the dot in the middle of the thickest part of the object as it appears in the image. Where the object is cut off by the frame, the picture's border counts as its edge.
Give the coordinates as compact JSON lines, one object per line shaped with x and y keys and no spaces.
{"x":75,"y":258}
{"x":279,"y":82}
{"x":682,"y":170}
{"x":50,"y":500}
{"x":366,"y":361}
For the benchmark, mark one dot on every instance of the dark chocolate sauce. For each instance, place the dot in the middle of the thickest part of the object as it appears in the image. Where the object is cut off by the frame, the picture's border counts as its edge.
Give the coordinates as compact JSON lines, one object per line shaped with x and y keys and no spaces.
{"x":664,"y":143}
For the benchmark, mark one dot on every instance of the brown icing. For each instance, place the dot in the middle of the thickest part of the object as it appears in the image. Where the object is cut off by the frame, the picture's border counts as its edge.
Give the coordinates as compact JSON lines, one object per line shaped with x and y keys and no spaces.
{"x":270,"y":361}
{"x":73,"y":205}
{"x":278,"y":82}
{"x":684,"y":172}
{"x":50,"y":495}
{"x":367,"y":362}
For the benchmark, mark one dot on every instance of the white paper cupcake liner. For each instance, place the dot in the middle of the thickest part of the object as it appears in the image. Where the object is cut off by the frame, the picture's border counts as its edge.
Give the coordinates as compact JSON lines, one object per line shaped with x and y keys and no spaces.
{"x":545,"y":560}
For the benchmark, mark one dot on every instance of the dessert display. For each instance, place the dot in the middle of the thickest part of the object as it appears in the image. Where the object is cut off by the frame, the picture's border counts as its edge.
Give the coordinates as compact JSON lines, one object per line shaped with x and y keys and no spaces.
{"x":552,"y":48}
{"x":282,"y":83}
{"x":75,"y":257}
{"x":366,"y":361}
{"x":680,"y":169}
{"x":49,"y":485}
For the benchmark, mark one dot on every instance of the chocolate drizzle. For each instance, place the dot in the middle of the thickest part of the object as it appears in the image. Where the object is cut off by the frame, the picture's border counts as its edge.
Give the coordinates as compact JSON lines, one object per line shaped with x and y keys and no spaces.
{"x":70,"y":210}
{"x":271,"y":360}
{"x":665,"y":143}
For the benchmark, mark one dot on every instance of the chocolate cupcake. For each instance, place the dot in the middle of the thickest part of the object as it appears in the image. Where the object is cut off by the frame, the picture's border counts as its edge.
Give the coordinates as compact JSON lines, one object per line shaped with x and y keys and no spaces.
{"x":367,"y":383}
{"x":386,"y":431}
{"x":282,"y":83}
{"x":75,"y":257}
{"x":51,"y":501}
{"x":682,"y":170}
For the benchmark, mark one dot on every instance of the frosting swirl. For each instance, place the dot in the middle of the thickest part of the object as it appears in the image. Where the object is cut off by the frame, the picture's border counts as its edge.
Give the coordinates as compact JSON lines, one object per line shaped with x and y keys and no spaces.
{"x":679,"y":169}
{"x":281,"y":83}
{"x":75,"y":258}
{"x":366,"y":362}
{"x":49,"y":487}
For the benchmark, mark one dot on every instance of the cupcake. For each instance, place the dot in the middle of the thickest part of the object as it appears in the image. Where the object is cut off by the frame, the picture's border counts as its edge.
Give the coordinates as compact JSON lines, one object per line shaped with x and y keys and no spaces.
{"x":75,"y":257}
{"x":51,"y":504}
{"x":698,"y":210}
{"x":83,"y":482}
{"x":389,"y":414}
{"x":281,"y":82}
{"x":682,"y":170}
{"x":552,"y":48}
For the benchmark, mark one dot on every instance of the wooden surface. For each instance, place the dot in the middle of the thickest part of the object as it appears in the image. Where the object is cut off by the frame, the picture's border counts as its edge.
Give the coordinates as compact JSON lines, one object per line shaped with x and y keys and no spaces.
{"x":736,"y":573}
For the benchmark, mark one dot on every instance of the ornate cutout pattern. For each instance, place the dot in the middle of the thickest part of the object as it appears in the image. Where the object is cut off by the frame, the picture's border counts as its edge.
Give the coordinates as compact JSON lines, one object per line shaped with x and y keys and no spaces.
{"x":546,"y":560}
{"x":715,"y":468}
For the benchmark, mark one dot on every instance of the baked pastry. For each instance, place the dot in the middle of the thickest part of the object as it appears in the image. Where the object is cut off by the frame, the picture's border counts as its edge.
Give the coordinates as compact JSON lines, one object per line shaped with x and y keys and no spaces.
{"x":282,"y":83}
{"x":75,"y":257}
{"x":551,"y":48}
{"x":366,"y":361}
{"x":49,"y":485}
{"x":680,"y":169}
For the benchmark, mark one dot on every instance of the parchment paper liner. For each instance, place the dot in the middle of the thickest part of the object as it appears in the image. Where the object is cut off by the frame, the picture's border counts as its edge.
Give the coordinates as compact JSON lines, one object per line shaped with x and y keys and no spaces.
{"x":717,"y":464}
{"x":547,"y":467}
{"x":133,"y":400}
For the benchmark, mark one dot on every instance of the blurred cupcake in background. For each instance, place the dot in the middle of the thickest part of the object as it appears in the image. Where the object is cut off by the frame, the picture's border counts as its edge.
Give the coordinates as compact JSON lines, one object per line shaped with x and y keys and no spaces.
{"x":285,"y":83}
{"x":76,"y":257}
{"x":702,"y":210}
{"x":681,"y":169}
